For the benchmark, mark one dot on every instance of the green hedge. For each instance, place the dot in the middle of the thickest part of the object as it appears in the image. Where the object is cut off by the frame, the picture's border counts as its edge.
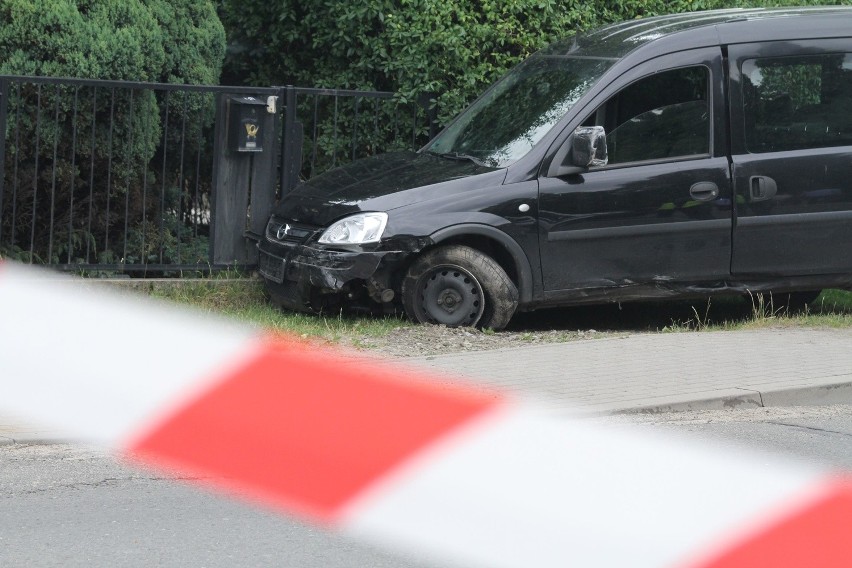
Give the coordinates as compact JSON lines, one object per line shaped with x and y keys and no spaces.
{"x":134,"y":40}
{"x":454,"y":48}
{"x":169,"y":41}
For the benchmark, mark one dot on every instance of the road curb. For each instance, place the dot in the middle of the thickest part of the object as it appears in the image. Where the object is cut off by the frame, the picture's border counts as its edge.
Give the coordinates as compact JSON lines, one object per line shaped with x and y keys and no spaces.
{"x":33,"y":437}
{"x":728,"y":400}
{"x":814,"y":395}
{"x":811,"y":395}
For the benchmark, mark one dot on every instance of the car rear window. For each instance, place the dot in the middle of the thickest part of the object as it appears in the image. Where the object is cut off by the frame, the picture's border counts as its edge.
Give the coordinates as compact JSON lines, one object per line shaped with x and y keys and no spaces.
{"x":794,"y":103}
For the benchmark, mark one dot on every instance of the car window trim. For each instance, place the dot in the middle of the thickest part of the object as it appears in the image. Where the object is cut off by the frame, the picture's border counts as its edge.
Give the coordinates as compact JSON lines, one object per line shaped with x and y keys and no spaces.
{"x":667,"y":160}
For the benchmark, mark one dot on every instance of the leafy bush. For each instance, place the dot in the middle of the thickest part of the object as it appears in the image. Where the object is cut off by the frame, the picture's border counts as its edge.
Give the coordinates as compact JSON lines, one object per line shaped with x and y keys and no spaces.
{"x":454,"y":49}
{"x":449,"y":51}
{"x":86,"y":147}
{"x":409,"y":46}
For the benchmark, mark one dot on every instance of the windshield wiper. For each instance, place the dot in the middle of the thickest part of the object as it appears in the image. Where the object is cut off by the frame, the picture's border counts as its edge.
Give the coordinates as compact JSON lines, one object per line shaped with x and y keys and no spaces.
{"x":459,"y":157}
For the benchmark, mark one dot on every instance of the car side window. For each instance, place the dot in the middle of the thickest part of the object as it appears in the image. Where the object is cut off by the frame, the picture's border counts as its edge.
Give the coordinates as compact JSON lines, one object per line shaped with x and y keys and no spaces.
{"x":794,"y":103}
{"x":666,"y":115}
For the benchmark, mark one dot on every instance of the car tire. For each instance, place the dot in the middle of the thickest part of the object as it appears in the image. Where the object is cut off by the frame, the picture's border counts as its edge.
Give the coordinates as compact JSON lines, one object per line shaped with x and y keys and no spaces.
{"x":458,"y":286}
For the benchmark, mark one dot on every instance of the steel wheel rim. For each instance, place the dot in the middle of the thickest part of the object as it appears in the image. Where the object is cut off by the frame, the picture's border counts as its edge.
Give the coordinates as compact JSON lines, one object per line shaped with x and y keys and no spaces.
{"x":450,"y":295}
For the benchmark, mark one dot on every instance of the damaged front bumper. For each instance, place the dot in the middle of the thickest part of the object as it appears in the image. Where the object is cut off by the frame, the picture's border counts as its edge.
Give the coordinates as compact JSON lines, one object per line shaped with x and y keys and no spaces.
{"x":299,"y":275}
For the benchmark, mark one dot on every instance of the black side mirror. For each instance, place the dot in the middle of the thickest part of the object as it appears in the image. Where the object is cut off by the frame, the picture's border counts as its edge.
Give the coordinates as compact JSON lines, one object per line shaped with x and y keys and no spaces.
{"x":588,"y":148}
{"x":585,"y":148}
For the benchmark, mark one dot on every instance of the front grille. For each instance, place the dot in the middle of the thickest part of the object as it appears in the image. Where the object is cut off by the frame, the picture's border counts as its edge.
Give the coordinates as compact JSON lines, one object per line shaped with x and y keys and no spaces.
{"x":271,"y":266}
{"x":284,"y":231}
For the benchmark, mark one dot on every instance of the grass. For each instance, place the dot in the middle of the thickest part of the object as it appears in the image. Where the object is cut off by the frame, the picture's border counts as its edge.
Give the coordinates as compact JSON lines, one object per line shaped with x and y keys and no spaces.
{"x":245,"y":300}
{"x":833,"y":308}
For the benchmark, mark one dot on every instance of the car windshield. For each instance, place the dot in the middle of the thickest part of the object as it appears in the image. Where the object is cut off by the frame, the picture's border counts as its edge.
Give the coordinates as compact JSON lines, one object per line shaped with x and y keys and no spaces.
{"x":504,"y":124}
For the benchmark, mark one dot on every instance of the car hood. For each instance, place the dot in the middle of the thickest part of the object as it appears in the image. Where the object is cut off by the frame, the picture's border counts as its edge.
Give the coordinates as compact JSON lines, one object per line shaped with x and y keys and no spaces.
{"x":382,"y":183}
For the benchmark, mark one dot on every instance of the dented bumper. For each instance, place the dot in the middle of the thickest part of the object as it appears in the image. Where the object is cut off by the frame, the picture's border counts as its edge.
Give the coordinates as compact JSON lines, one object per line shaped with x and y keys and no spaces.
{"x":296,"y":273}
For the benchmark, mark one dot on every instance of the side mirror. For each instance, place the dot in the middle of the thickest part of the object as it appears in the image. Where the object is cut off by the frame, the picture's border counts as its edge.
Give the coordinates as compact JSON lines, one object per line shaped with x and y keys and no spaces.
{"x":588,"y":148}
{"x":585,"y":148}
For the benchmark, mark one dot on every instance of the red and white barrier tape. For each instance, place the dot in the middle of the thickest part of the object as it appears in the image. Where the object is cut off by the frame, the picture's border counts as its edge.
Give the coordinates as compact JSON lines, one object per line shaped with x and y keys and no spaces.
{"x":461,"y":477}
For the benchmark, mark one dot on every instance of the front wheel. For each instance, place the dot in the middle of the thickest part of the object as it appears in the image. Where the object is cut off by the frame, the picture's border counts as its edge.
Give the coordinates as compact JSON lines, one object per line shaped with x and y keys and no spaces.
{"x":458,"y":286}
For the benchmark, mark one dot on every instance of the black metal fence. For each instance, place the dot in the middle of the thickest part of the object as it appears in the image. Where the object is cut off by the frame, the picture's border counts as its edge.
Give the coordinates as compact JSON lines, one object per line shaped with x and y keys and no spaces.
{"x":338,"y":126}
{"x":124,"y":177}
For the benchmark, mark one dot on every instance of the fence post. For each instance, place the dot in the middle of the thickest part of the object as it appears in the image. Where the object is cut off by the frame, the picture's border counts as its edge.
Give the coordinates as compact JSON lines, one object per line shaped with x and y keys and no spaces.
{"x":230,"y":195}
{"x":264,"y":173}
{"x":243,"y":188}
{"x":291,"y":153}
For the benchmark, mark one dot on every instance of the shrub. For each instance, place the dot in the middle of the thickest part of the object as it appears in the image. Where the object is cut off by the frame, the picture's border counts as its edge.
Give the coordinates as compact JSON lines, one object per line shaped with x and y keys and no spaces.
{"x":454,"y":48}
{"x":117,"y":133}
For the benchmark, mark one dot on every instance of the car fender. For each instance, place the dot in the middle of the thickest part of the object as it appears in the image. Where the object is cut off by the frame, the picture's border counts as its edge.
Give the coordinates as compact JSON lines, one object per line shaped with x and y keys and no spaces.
{"x":522,"y":264}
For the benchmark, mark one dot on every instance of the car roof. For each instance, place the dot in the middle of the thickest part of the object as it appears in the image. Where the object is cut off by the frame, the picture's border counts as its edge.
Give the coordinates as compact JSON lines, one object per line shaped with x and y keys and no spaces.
{"x":693,"y":29}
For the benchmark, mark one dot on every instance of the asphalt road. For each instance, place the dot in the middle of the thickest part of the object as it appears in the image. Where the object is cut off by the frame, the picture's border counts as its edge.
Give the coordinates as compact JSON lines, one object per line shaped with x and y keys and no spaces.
{"x":69,"y":506}
{"x":815,"y":434}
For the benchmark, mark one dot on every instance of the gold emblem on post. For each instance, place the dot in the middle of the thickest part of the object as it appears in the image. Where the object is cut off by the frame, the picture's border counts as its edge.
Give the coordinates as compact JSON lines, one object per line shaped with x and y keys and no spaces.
{"x":251,"y":130}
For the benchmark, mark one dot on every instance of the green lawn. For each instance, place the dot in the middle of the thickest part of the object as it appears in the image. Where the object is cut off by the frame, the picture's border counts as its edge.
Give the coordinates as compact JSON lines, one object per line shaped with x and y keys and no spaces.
{"x":833,"y":308}
{"x":244,"y":299}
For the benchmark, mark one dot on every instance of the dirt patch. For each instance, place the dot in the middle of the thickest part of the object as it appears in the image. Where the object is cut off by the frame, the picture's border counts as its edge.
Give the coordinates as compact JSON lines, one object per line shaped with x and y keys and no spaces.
{"x":422,"y":340}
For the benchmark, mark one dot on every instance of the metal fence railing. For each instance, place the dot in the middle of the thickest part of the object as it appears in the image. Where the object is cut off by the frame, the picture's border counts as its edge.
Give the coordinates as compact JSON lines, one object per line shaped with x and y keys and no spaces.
{"x":338,"y":126}
{"x":120,"y":177}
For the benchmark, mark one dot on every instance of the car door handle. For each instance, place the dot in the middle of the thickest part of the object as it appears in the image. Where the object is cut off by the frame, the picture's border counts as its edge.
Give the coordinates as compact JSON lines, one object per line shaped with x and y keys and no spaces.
{"x":761,"y":188}
{"x":704,"y":191}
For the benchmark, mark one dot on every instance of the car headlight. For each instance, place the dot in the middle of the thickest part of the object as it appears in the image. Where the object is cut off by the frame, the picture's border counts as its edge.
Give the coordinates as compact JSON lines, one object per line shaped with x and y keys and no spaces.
{"x":356,"y":229}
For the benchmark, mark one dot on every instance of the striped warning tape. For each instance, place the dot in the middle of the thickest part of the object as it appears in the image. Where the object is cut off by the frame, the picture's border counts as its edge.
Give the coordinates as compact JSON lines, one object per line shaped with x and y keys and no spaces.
{"x":455,"y":476}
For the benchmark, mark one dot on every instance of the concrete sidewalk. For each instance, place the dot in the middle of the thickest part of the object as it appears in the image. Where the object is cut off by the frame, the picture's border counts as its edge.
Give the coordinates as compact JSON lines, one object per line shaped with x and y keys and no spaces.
{"x":646,"y":372}
{"x":676,"y":371}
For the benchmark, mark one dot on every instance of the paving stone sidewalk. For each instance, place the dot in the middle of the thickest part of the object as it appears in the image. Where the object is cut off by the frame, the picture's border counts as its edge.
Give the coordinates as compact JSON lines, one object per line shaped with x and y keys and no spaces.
{"x":676,"y":371}
{"x":645,"y":372}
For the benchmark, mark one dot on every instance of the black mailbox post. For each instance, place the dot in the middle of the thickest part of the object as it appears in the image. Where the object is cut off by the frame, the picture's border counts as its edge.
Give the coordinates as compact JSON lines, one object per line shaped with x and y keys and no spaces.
{"x":245,"y":122}
{"x":244,"y":174}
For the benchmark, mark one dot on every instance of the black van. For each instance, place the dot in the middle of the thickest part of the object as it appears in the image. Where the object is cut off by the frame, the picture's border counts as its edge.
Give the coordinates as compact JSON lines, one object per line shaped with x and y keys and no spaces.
{"x":676,"y":156}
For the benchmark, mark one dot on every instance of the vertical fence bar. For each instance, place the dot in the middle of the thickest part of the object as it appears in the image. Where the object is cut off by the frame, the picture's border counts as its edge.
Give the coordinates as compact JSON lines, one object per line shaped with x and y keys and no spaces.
{"x":4,"y":108}
{"x":395,"y":121}
{"x":355,"y":129}
{"x":89,"y":235}
{"x":73,"y":184}
{"x":219,"y":133}
{"x":127,"y":165}
{"x":434,"y":125}
{"x":163,"y":179}
{"x":35,"y":172}
{"x":53,"y":174}
{"x":334,"y":137}
{"x":109,"y":167}
{"x":18,"y":106}
{"x":414,"y":129}
{"x":375,"y":127}
{"x":179,"y":224}
{"x":314,"y":135}
{"x":146,"y":129}
{"x":196,"y":202}
{"x":288,"y":154}
{"x":5,"y":90}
